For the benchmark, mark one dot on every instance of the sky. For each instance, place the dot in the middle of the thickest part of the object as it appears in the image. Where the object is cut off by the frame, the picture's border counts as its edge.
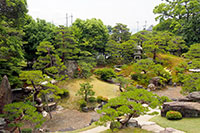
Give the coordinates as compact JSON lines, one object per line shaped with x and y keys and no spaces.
{"x":133,"y":13}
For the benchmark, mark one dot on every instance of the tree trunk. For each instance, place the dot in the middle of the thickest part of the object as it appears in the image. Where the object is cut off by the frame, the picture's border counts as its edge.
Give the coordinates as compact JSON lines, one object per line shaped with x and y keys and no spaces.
{"x":120,"y":88}
{"x":48,"y":109}
{"x":154,"y":55}
{"x":124,"y":122}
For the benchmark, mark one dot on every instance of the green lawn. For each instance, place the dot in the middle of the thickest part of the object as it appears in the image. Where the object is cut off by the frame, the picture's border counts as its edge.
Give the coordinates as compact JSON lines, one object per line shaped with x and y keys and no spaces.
{"x":101,"y":88}
{"x":189,"y":125}
{"x":128,"y":130}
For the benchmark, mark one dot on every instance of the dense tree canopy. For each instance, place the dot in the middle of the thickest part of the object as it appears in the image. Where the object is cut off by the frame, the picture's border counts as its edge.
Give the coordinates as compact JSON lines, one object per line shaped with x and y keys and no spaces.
{"x":36,"y":32}
{"x":13,"y":11}
{"x":181,"y":17}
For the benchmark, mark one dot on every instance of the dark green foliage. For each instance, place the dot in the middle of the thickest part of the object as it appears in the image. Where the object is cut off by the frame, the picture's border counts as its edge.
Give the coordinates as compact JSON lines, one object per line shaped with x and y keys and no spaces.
{"x":22,"y":111}
{"x":11,"y":53}
{"x":65,"y":93}
{"x":66,"y":44}
{"x":26,"y":130}
{"x":180,"y":17}
{"x":191,"y":83}
{"x":91,"y":34}
{"x":85,"y":67}
{"x":86,"y":91}
{"x":82,"y":103}
{"x":164,"y":99}
{"x":36,"y":78}
{"x":49,"y":62}
{"x":126,"y":106}
{"x":194,"y":51}
{"x":13,"y":11}
{"x":35,"y":33}
{"x":173,"y":115}
{"x":146,"y":69}
{"x":105,"y":73}
{"x":120,"y":33}
{"x":92,"y":99}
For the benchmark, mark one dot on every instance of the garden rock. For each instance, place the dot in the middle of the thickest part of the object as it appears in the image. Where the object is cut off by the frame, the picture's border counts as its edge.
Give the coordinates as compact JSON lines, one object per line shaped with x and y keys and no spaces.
{"x":194,"y":96}
{"x":2,"y":123}
{"x":187,"y":109}
{"x":44,"y":113}
{"x":133,"y":123}
{"x":52,"y":106}
{"x":155,"y":81}
{"x":5,"y":93}
{"x":151,"y":87}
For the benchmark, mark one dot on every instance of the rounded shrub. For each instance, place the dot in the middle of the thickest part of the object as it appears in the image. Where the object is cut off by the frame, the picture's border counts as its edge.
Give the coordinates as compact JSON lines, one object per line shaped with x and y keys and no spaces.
{"x":173,"y":115}
{"x":105,"y":73}
{"x":92,"y":99}
{"x":26,"y":130}
{"x":82,"y":103}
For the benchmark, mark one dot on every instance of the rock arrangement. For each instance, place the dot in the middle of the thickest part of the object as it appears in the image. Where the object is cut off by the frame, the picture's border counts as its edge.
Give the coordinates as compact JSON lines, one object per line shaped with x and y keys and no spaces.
{"x":188,"y":106}
{"x":5,"y":93}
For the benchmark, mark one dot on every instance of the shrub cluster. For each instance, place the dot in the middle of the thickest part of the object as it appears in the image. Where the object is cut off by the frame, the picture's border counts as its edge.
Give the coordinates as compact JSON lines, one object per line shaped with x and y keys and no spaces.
{"x":173,"y":115}
{"x":82,"y":103}
{"x":92,"y":99}
{"x":105,"y":73}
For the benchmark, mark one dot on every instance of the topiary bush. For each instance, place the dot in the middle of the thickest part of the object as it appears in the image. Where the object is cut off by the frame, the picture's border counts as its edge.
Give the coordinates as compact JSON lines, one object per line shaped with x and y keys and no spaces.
{"x":173,"y":115}
{"x":26,"y":130}
{"x":92,"y":99}
{"x":105,"y":73}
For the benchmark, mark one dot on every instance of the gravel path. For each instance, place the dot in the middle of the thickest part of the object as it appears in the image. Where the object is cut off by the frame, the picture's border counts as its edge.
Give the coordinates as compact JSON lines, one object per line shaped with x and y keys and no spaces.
{"x":68,"y":120}
{"x":171,"y":92}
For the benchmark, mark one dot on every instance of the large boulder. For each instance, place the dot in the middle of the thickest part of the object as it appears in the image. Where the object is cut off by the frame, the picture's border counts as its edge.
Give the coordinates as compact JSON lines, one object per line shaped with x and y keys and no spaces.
{"x":187,"y":109}
{"x":194,"y":96}
{"x":5,"y":93}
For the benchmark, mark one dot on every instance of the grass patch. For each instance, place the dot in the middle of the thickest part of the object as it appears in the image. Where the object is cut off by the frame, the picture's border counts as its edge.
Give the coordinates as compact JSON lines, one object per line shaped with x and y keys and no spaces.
{"x":128,"y":130}
{"x":101,"y":88}
{"x":190,"y":125}
{"x":170,"y":61}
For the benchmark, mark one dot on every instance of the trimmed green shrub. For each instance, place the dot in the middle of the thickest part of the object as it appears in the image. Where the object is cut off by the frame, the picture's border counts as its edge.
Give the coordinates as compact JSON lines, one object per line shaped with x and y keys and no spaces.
{"x":173,"y":115}
{"x":65,"y":94}
{"x":92,"y":99}
{"x":26,"y":130}
{"x":136,"y":76}
{"x":101,"y":99}
{"x":82,"y":103}
{"x":105,"y":73}
{"x":164,"y":99}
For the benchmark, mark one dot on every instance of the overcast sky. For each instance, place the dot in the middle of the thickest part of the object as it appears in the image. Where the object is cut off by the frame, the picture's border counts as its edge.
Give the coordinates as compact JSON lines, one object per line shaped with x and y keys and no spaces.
{"x":128,"y":12}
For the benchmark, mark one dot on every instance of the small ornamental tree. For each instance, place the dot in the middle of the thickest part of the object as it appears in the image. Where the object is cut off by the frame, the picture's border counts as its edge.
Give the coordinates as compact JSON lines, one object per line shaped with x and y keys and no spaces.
{"x":121,"y":109}
{"x":40,"y":88}
{"x":123,"y":82}
{"x":85,"y":91}
{"x":16,"y":114}
{"x":49,"y":62}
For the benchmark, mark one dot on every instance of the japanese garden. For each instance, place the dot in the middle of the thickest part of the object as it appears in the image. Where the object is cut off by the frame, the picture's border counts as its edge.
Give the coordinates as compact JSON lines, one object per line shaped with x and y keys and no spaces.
{"x":91,"y":77}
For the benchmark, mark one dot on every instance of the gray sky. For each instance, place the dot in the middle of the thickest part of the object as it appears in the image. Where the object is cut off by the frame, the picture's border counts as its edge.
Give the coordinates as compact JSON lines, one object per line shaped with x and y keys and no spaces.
{"x":109,"y":11}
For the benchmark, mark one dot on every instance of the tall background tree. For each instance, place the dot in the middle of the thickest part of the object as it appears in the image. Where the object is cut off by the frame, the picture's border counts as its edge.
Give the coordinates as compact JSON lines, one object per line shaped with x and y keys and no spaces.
{"x":181,"y":17}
